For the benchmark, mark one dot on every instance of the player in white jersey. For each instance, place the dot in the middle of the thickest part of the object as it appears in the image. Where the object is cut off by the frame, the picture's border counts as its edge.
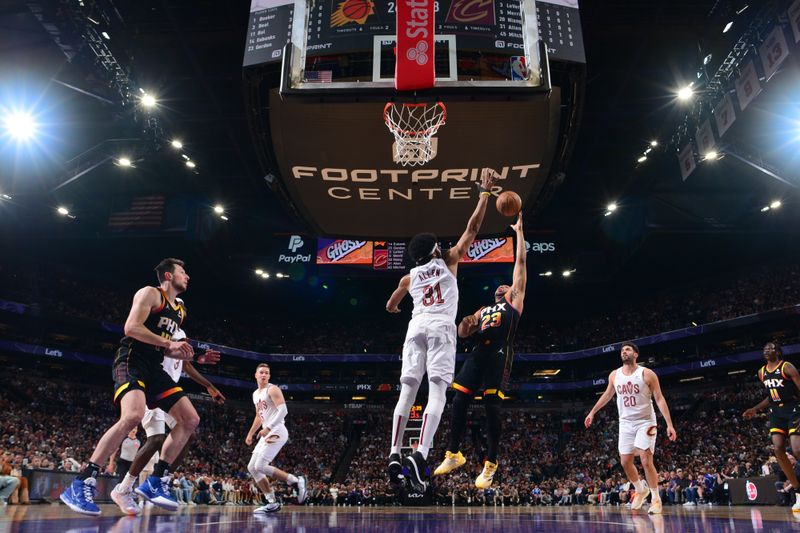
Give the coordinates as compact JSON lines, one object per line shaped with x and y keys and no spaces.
{"x":270,"y":413}
{"x":127,"y":452}
{"x":430,"y":344}
{"x":155,"y":423}
{"x":636,"y":387}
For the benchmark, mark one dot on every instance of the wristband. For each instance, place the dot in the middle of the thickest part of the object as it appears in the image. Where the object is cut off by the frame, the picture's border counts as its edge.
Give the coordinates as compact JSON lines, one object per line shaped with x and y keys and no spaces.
{"x":487,"y":193}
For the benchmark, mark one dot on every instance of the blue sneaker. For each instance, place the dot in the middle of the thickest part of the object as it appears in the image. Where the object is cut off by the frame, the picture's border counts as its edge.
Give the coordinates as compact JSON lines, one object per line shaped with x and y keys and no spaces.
{"x":79,"y":496}
{"x":156,"y":490}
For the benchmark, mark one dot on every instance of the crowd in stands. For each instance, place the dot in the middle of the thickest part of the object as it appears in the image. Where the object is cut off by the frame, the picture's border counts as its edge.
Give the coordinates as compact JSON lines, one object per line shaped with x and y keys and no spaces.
{"x":546,"y":458}
{"x":730,"y":296}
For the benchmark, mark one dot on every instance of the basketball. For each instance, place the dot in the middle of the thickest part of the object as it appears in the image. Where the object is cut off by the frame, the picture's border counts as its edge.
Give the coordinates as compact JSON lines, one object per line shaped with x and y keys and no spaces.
{"x":357,"y":9}
{"x":509,"y":203}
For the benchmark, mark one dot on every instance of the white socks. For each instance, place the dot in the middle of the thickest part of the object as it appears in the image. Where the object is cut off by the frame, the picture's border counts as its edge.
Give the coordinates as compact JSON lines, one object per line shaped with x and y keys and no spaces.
{"x":408,"y":393}
{"x":291,"y":479}
{"x":432,"y":415}
{"x":127,"y":483}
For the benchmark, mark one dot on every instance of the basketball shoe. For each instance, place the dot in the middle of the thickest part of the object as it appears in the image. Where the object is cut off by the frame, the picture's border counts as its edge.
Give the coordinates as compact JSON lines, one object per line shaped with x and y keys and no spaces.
{"x":156,"y":491}
{"x":655,"y":507}
{"x":269,"y":508}
{"x":417,"y":471}
{"x":485,"y":478}
{"x":796,"y":506}
{"x":79,"y":496}
{"x":125,"y":501}
{"x":640,"y":496}
{"x":395,"y":469}
{"x":301,"y":489}
{"x":450,"y":463}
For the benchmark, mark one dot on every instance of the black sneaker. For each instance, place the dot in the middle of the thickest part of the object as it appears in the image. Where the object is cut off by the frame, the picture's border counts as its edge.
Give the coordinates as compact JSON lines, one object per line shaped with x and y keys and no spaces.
{"x":395,"y":469}
{"x":417,"y":471}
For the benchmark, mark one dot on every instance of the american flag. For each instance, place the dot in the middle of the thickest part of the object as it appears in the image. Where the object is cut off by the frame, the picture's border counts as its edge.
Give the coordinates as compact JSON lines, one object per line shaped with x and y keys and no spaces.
{"x":144,"y":212}
{"x":319,"y":76}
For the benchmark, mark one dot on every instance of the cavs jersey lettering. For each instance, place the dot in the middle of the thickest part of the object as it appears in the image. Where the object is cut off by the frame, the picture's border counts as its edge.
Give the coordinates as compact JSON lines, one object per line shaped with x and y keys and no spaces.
{"x":265,"y":407}
{"x":498,"y":323}
{"x":781,"y":388}
{"x":434,"y":289}
{"x":165,"y":321}
{"x":634,"y":397}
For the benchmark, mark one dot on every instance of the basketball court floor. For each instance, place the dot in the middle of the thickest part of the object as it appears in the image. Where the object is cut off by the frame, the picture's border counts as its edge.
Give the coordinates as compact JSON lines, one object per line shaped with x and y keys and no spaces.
{"x":57,"y":518}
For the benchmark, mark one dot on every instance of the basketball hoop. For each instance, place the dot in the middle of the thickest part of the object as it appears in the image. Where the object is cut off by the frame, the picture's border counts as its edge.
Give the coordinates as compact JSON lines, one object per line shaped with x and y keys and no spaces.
{"x":413,"y":127}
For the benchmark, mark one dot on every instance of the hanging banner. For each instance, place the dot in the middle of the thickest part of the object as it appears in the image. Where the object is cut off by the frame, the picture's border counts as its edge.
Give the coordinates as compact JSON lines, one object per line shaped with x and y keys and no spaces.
{"x":724,"y":114}
{"x":414,"y":68}
{"x":686,"y":159}
{"x":705,"y":138}
{"x":747,"y":86}
{"x":773,"y":51}
{"x":344,"y":252}
{"x":794,"y":19}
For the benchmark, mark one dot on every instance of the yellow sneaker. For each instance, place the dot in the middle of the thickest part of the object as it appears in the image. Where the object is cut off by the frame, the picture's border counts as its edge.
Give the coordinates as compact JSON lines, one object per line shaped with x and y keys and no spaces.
{"x":484,"y":480}
{"x":450,"y":463}
{"x":655,"y":507}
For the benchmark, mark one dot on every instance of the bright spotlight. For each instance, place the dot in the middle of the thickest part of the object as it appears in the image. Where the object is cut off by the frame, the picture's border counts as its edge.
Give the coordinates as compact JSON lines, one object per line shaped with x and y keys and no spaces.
{"x":124,"y":162}
{"x":148,"y":100}
{"x":176,"y":144}
{"x":566,"y":273}
{"x":727,"y":27}
{"x":775,"y":205}
{"x":259,"y":272}
{"x":712,"y":155}
{"x":642,"y":159}
{"x":654,"y":143}
{"x":190,"y":164}
{"x":20,"y":126}
{"x":105,"y":35}
{"x":279,"y":275}
{"x":685,"y":93}
{"x":63,"y":211}
{"x":224,"y":217}
{"x":612,"y":207}
{"x":265,"y":275}
{"x":765,"y":209}
{"x":218,"y":209}
{"x":5,"y":196}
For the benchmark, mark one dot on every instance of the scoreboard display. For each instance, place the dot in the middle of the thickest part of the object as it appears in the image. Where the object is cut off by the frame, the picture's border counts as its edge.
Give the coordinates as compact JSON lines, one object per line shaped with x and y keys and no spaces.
{"x":341,"y":26}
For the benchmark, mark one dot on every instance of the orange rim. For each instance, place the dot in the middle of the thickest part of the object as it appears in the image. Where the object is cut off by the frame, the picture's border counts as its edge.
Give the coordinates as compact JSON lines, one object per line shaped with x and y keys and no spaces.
{"x":396,"y":130}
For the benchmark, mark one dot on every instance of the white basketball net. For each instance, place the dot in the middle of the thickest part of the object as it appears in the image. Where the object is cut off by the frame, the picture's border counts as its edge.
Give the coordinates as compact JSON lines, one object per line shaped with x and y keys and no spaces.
{"x":413,"y":127}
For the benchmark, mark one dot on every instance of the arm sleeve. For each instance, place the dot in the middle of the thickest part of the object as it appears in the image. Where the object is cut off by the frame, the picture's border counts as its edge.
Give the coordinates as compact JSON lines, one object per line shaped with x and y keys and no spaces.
{"x":277,"y":418}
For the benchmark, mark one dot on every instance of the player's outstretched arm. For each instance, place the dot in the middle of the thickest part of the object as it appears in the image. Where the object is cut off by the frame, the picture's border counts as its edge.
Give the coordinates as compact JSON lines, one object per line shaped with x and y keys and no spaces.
{"x":398,"y":294}
{"x":201,"y":380}
{"x":520,"y":279}
{"x":602,"y":401}
{"x":454,"y":254}
{"x":651,"y":379}
{"x":469,"y":324}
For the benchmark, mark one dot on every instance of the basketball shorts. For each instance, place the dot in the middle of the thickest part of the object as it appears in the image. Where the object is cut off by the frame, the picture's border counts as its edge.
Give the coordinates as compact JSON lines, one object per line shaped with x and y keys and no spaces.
{"x":268,"y":447}
{"x":633,"y":435}
{"x":784,"y":419}
{"x":156,"y":421}
{"x":138,"y":370}
{"x":430,"y":347}
{"x":487,"y":369}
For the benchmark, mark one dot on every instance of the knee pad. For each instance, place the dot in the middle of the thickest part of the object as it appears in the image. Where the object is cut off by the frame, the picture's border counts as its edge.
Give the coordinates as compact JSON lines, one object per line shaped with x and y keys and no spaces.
{"x":437,"y":390}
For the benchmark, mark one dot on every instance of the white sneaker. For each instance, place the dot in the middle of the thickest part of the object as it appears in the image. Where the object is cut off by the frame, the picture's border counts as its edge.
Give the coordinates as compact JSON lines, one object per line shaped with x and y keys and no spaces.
{"x":689,"y":504}
{"x":192,"y":503}
{"x":266,"y":509}
{"x":301,"y":490}
{"x":125,"y":501}
{"x":796,"y":506}
{"x":639,"y":498}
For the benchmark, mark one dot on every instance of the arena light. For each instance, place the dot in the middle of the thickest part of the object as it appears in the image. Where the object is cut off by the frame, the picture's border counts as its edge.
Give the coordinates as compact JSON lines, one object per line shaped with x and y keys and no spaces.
{"x":20,"y":125}
{"x":359,"y":398}
{"x":265,"y":275}
{"x":612,"y":207}
{"x":478,"y":398}
{"x":259,"y":271}
{"x":5,"y":196}
{"x":63,"y":211}
{"x":765,"y":209}
{"x":775,"y":205}
{"x":278,"y":275}
{"x":546,"y":274}
{"x":148,"y":100}
{"x":653,"y":143}
{"x":224,"y":217}
{"x":190,"y":164}
{"x":686,"y":380}
{"x":105,"y":35}
{"x":322,"y":398}
{"x":186,"y":157}
{"x":546,"y":372}
{"x":176,"y":144}
{"x":733,"y":372}
{"x":218,"y":209}
{"x":727,"y":27}
{"x":711,"y":156}
{"x":124,"y":162}
{"x":567,"y":273}
{"x":642,"y":159}
{"x":685,"y":94}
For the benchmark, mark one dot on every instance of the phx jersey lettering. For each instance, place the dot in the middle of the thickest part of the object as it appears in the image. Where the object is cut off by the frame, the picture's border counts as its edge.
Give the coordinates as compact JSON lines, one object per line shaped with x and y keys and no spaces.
{"x":430,"y":344}
{"x":784,"y":399}
{"x":490,"y":362}
{"x":138,"y":365}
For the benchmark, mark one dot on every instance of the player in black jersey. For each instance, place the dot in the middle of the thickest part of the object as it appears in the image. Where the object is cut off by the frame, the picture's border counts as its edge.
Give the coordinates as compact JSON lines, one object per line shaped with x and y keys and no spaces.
{"x":140,"y":381}
{"x":489,"y":366}
{"x":782,"y":382}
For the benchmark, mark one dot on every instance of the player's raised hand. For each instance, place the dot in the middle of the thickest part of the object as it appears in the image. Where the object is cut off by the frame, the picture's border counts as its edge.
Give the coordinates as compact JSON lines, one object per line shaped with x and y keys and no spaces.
{"x":517,"y":226}
{"x":488,"y":177}
{"x":209,"y":357}
{"x":671,"y":434}
{"x":215,"y":394}
{"x":588,"y":420}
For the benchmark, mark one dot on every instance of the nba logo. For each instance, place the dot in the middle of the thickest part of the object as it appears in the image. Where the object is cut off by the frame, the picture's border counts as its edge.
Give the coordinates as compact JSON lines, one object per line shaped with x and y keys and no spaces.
{"x":519,"y":68}
{"x":752,"y":490}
